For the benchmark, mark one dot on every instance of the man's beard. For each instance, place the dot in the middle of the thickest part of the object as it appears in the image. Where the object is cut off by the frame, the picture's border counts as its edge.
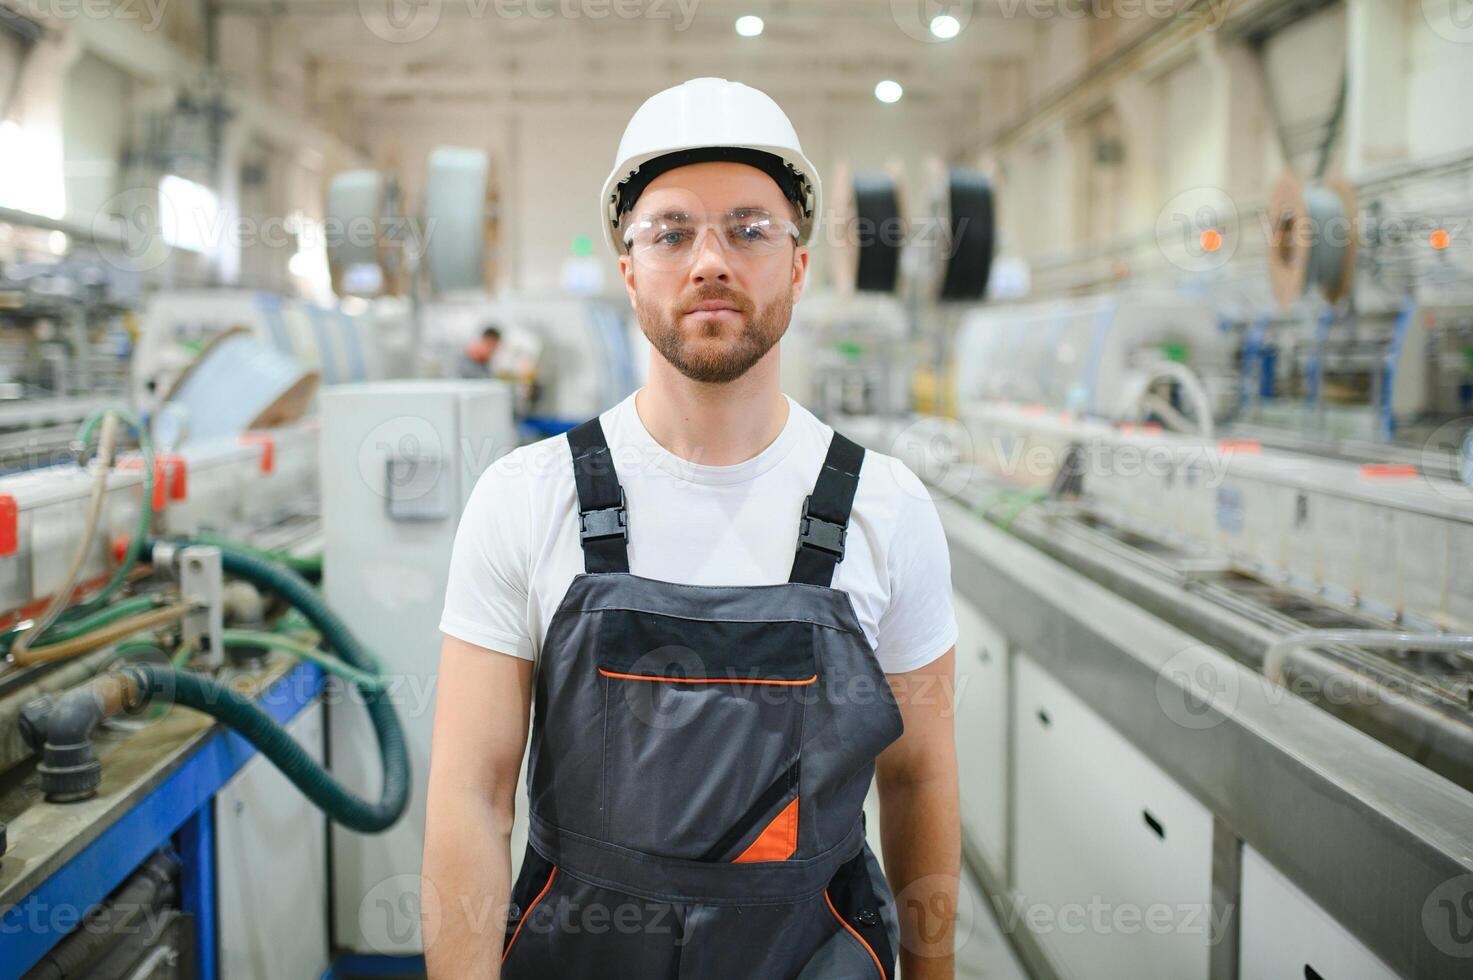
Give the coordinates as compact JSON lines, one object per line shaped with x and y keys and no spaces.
{"x":760,"y":330}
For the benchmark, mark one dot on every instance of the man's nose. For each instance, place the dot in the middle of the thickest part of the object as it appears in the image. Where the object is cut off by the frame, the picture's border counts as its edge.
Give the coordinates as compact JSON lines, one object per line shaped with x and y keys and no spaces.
{"x":710,"y":260}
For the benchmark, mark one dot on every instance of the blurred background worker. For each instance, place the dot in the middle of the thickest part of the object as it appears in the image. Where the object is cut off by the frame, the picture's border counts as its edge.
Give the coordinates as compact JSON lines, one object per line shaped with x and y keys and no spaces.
{"x":479,"y":356}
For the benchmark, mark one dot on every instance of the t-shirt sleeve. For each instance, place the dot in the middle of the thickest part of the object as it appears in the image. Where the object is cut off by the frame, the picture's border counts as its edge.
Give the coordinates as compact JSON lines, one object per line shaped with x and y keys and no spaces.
{"x":919,"y":624}
{"x":486,"y":594}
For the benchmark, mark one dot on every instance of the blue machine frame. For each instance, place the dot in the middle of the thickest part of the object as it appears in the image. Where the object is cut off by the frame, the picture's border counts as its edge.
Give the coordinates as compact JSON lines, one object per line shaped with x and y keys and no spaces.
{"x":177,"y":812}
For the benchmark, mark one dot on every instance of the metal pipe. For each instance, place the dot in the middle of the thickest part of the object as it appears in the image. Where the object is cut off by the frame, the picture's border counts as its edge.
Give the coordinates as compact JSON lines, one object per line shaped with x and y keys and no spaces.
{"x":1278,"y":651}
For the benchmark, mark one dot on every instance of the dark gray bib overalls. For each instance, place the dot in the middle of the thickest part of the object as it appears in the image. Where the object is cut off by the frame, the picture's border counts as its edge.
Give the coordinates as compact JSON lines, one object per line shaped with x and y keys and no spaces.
{"x":699,"y":761}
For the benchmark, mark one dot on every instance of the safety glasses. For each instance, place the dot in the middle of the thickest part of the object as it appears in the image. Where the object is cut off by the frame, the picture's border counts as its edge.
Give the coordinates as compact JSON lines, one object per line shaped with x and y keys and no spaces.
{"x":669,"y":239}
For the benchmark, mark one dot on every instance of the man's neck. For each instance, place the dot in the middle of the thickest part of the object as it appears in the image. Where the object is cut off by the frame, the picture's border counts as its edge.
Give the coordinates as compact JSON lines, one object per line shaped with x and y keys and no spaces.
{"x":713,"y":424}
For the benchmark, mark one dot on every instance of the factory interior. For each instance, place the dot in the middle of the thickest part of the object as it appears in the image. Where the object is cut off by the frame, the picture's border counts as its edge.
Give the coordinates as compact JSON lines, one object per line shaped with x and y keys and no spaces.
{"x":1168,"y":304}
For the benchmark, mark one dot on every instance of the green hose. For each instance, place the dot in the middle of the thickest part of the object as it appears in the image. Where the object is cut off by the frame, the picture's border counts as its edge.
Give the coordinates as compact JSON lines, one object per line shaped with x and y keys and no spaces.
{"x":306,"y":564}
{"x":225,"y":704}
{"x":251,"y":638}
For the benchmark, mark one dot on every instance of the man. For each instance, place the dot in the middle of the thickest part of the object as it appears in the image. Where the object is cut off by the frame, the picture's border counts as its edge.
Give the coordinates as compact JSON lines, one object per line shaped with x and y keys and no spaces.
{"x":476,"y":358}
{"x":710,"y":701}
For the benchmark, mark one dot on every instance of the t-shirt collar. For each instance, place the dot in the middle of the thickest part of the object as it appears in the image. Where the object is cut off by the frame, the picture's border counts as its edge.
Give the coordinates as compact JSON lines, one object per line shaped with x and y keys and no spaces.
{"x":631,"y":444}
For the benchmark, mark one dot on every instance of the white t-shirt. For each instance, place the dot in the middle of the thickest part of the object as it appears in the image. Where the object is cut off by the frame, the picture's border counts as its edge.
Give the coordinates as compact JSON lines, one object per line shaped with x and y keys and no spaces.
{"x":517,"y":548}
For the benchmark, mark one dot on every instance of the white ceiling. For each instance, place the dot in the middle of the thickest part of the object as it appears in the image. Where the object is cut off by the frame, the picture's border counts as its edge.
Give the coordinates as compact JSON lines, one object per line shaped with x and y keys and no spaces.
{"x":428,"y":52}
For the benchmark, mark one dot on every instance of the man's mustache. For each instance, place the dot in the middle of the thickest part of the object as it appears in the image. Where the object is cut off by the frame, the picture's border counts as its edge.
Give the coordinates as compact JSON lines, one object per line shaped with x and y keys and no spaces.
{"x":720,"y":294}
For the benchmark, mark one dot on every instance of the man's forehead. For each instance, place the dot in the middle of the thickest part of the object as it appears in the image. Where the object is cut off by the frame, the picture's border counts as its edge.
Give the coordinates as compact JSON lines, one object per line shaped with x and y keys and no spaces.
{"x":712,"y":186}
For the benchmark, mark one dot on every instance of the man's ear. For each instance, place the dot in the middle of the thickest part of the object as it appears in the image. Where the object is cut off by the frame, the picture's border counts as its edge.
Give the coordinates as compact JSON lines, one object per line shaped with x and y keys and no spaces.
{"x":626,"y":270}
{"x":800,"y":270}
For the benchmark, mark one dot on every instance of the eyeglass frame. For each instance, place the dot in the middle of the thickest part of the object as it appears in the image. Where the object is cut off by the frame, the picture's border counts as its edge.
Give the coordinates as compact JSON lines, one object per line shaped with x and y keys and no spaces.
{"x":787,"y":225}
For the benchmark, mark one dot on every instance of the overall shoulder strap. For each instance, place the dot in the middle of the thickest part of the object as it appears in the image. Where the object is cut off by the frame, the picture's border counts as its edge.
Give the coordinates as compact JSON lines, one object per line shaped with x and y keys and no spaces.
{"x":825,"y":520}
{"x":603,"y":523}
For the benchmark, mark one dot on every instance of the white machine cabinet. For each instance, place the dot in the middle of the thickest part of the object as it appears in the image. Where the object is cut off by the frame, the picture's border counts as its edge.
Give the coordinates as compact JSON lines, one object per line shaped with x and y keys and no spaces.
{"x":1113,"y":859}
{"x":981,"y":706}
{"x":1283,"y":933}
{"x":271,"y":867}
{"x":399,"y":460}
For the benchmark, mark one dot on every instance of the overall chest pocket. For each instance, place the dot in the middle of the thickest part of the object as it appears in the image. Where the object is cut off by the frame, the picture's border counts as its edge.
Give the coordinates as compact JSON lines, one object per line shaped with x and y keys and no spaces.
{"x":703,"y":727}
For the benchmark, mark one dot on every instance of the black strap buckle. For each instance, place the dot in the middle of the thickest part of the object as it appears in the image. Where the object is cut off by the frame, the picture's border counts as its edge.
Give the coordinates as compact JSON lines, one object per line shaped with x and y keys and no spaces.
{"x":604,"y":523}
{"x":822,"y":535}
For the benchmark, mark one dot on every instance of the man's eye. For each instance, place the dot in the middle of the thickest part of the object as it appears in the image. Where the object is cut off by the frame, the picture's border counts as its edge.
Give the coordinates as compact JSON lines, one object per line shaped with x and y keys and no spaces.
{"x":672,"y":237}
{"x":750,"y":233}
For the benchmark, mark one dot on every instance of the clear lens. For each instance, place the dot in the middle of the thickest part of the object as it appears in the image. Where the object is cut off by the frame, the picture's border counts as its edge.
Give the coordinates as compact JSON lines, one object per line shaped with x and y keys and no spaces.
{"x":669,"y":239}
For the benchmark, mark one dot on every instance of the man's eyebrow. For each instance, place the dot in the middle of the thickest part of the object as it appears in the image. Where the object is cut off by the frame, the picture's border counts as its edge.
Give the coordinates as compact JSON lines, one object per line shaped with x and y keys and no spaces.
{"x":681,"y":214}
{"x":673,"y":214}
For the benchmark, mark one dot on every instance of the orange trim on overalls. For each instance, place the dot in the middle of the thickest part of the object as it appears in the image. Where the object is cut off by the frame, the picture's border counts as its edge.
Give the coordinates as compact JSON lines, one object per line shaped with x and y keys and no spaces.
{"x":527,"y":913}
{"x":704,"y":680}
{"x":851,"y":930}
{"x":778,"y":840}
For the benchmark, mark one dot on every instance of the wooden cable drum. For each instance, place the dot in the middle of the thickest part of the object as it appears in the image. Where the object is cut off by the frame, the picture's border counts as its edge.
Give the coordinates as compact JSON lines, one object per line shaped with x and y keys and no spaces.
{"x":1311,"y":239}
{"x":868,"y":232}
{"x":460,"y":220}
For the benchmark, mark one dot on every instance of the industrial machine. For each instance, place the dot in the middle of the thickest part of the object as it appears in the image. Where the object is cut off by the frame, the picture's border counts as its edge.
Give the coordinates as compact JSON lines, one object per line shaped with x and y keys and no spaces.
{"x":336,"y":345}
{"x":66,"y":333}
{"x":1208,"y":680}
{"x":146,"y":582}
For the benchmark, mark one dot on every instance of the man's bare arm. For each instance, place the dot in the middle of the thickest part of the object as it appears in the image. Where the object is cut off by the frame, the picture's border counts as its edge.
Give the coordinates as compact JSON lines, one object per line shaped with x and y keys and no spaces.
{"x":920,"y":829}
{"x":481,"y":709}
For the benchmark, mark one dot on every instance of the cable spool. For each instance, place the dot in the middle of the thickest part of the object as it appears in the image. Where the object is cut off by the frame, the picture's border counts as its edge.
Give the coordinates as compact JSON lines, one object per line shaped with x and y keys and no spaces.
{"x":365,"y":239}
{"x":868,"y":232}
{"x":1311,"y":239}
{"x":971,"y":234}
{"x":354,"y":202}
{"x":460,"y":220}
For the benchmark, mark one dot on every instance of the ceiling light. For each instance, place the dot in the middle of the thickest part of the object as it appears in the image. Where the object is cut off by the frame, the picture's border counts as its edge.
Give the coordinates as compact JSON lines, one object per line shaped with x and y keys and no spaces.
{"x":749,"y":25}
{"x":889,"y":91}
{"x":945,"y":26}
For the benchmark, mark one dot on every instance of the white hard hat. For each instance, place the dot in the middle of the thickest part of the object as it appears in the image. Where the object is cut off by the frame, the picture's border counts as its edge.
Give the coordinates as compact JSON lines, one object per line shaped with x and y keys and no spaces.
{"x":709,"y":119}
